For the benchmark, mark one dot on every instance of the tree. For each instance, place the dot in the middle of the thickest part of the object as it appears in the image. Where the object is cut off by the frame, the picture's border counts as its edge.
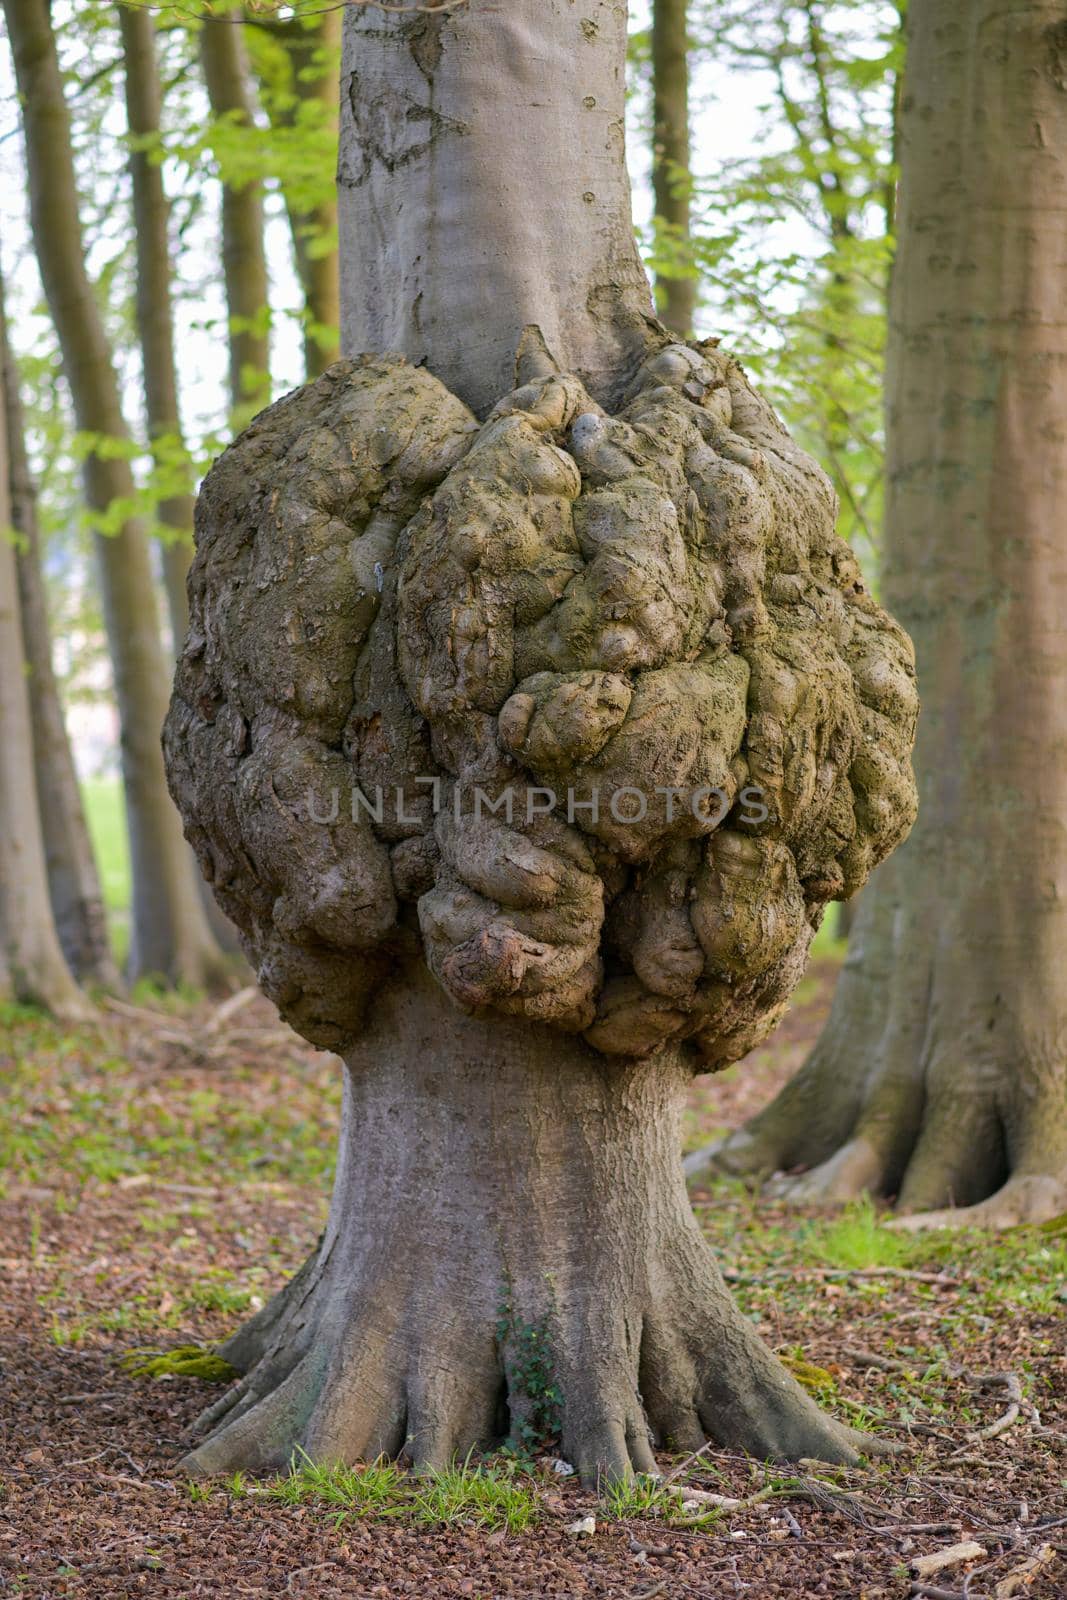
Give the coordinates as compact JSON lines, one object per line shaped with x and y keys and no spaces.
{"x":411,"y":629}
{"x":32,"y":964}
{"x":940,"y":1077}
{"x":73,"y":883}
{"x":155,"y":318}
{"x":170,"y":936}
{"x":793,"y":240}
{"x":244,"y":261}
{"x":296,"y":61}
{"x":676,"y":282}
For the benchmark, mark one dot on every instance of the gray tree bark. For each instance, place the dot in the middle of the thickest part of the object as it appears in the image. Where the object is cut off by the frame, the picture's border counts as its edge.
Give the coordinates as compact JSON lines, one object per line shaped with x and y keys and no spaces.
{"x":941,"y":1077}
{"x":73,"y":882}
{"x":462,"y":170}
{"x":244,"y":261}
{"x":169,"y":933}
{"x":388,"y":593}
{"x":676,"y":295}
{"x":509,"y":1218}
{"x":32,"y":964}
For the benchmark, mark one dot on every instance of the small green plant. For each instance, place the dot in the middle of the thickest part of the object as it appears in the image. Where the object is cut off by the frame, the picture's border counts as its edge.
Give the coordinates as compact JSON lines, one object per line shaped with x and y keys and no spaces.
{"x":185,"y":1361}
{"x":536,"y":1401}
{"x":858,"y":1238}
{"x":490,"y":1496}
{"x":493,"y":1496}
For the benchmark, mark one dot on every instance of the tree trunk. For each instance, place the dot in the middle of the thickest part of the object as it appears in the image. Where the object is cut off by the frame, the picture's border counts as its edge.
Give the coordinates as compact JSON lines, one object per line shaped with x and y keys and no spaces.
{"x":155,"y":327}
{"x":675,"y":293}
{"x":510,"y":1253}
{"x":33,"y":962}
{"x":480,"y":194}
{"x":244,"y":261}
{"x":155,"y":320}
{"x":299,"y":88}
{"x":942,"y":1072}
{"x":169,"y":932}
{"x":73,"y":883}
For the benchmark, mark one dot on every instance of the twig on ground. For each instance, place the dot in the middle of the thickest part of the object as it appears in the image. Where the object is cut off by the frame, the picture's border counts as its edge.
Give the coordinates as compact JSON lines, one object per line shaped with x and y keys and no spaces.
{"x":90,"y":1394}
{"x":676,"y":1472}
{"x":1022,"y":1577}
{"x":867,"y":1358}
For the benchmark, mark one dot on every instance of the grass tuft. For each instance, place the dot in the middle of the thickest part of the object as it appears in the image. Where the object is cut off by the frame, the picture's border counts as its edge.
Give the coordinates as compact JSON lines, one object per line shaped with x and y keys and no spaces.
{"x":491,"y":1496}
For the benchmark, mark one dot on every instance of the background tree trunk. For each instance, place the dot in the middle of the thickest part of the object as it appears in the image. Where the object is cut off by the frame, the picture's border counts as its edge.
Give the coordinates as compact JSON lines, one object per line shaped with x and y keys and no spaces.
{"x":675,"y":295}
{"x":244,"y":261}
{"x":297,"y":64}
{"x":169,"y":935}
{"x":479,"y":195}
{"x":73,"y":883}
{"x":155,"y":320}
{"x":33,"y":961}
{"x":942,"y":1073}
{"x":155,"y":328}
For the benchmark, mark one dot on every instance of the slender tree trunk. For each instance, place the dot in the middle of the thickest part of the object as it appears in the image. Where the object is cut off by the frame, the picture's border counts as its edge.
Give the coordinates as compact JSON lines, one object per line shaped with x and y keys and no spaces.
{"x":36,"y":969}
{"x":155,"y":320}
{"x":244,"y":261}
{"x":169,"y":932}
{"x":675,"y":294}
{"x":942,"y":1074}
{"x":509,"y":1249}
{"x":155,"y":326}
{"x":311,"y":50}
{"x":73,"y":883}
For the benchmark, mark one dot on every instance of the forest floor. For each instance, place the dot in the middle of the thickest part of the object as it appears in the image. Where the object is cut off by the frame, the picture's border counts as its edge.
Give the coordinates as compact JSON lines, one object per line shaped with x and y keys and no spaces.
{"x":161,"y":1173}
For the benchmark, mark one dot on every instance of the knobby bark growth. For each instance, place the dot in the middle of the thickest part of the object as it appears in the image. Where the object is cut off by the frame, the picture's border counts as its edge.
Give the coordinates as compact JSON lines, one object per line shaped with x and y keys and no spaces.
{"x":675,"y":287}
{"x":941,"y":1077}
{"x":169,"y":934}
{"x":617,"y":581}
{"x":73,"y":882}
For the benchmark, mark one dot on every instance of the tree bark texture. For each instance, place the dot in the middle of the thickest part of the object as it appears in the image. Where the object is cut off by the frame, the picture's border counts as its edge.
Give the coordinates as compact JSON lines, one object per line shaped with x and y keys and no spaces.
{"x":73,"y":882}
{"x":155,"y":319}
{"x":942,"y":1074}
{"x":244,"y":260}
{"x":676,"y":294}
{"x":33,"y":961}
{"x":482,"y":188}
{"x":169,"y":931}
{"x":409,"y":627}
{"x":510,"y":1253}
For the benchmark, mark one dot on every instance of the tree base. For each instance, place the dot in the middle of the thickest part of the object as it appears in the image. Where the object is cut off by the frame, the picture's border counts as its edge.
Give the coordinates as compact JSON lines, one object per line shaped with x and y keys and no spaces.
{"x":510,"y":1255}
{"x":940,"y":1096}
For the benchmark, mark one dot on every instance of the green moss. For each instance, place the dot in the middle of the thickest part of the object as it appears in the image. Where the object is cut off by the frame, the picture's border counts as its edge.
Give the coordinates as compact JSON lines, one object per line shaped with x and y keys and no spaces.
{"x":184,"y":1361}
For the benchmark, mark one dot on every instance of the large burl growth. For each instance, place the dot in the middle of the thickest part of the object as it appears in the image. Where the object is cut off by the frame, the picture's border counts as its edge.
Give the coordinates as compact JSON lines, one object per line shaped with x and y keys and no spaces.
{"x":589,"y":715}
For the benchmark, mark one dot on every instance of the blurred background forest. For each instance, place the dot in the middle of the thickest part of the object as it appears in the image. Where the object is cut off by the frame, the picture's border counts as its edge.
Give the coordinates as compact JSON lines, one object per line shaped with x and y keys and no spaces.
{"x":201,"y":151}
